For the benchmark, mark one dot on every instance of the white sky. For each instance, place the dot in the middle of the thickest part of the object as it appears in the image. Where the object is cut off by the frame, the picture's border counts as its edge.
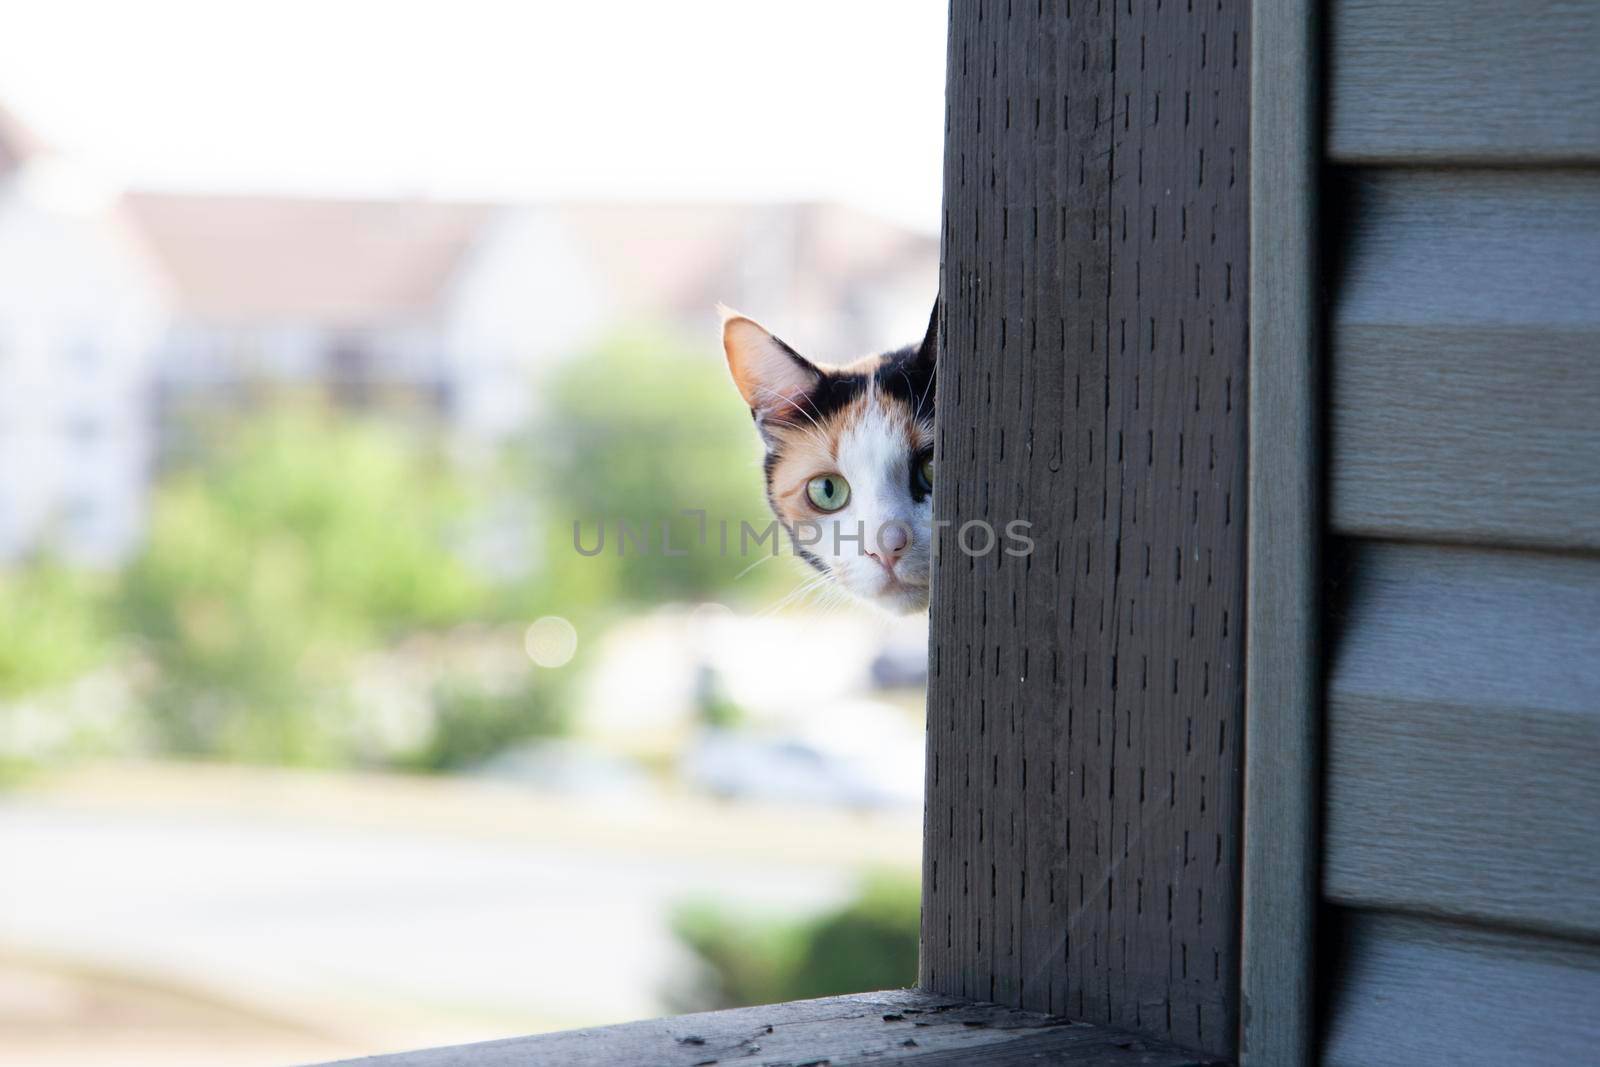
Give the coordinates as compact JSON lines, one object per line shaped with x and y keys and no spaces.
{"x":746,"y":99}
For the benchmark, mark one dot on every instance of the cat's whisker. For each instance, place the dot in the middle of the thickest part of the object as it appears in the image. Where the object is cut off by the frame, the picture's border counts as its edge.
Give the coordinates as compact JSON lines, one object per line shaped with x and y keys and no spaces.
{"x":813,"y":436}
{"x":793,"y":599}
{"x":921,"y":399}
{"x":835,"y":602}
{"x":816,"y":433}
{"x":759,"y":561}
{"x":806,"y":587}
{"x":816,"y":437}
{"x":838,"y":603}
{"x":774,"y":394}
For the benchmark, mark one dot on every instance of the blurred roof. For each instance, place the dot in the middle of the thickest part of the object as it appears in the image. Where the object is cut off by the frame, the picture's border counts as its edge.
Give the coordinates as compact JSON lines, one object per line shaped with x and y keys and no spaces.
{"x":246,"y":260}
{"x":685,"y":257}
{"x":234,"y":258}
{"x":353,"y":262}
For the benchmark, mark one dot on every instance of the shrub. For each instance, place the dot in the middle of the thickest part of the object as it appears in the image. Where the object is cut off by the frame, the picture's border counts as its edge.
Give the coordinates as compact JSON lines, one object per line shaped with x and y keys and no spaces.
{"x":473,"y":723}
{"x":869,"y":943}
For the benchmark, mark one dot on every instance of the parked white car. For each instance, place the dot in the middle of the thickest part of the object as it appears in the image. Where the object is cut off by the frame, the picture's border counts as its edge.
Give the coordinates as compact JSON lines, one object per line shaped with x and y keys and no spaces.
{"x":860,"y":755}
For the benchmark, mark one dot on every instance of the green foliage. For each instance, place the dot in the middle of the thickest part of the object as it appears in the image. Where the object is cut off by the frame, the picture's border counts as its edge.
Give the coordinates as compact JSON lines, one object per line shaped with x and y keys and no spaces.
{"x":870,"y":943}
{"x":275,"y":560}
{"x":291,"y":554}
{"x":51,"y":626}
{"x":473,"y":723}
{"x":638,"y":432}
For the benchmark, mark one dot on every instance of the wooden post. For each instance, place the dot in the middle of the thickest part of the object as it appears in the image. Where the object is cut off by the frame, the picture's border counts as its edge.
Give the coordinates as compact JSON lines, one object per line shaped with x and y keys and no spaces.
{"x":1283,"y":697}
{"x":1086,"y":700}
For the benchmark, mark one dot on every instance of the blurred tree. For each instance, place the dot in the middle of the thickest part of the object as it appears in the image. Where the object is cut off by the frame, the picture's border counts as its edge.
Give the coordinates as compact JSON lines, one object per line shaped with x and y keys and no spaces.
{"x":51,"y":626}
{"x":869,"y":943}
{"x":288,"y":545}
{"x":638,"y":432}
{"x":296,"y":541}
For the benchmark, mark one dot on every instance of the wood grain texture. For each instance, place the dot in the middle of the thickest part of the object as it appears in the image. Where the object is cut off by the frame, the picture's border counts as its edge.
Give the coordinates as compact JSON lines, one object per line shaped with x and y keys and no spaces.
{"x":1283,"y":702}
{"x":1466,"y":358}
{"x":899,"y":1027}
{"x":1464,"y":737}
{"x":1085,"y":703}
{"x":1464,"y":81}
{"x":1435,"y":995}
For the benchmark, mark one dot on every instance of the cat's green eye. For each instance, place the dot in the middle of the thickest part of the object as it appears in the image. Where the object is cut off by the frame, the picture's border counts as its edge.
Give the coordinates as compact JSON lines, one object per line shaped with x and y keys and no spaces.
{"x":829,"y":492}
{"x":922,"y":476}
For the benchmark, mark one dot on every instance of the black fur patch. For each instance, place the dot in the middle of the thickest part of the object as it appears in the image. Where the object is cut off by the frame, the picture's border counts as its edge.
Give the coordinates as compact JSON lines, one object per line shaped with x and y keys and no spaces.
{"x":905,"y":375}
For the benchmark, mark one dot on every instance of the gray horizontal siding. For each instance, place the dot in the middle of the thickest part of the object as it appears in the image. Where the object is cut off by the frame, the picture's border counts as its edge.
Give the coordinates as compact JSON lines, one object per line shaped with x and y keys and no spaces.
{"x":1463,"y":737}
{"x":1465,"y":363}
{"x":1464,"y":81}
{"x":1417,"y":992}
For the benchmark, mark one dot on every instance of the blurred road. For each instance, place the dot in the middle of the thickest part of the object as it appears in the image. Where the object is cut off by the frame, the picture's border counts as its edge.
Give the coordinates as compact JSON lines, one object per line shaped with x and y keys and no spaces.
{"x":394,"y":934}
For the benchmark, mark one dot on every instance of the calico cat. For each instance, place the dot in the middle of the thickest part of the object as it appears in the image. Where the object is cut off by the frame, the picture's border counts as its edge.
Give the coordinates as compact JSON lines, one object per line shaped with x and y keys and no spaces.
{"x":849,"y":457}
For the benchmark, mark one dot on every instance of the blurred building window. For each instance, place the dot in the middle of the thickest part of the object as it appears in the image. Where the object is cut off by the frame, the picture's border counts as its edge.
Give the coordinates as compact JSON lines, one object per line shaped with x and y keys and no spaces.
{"x":350,"y":370}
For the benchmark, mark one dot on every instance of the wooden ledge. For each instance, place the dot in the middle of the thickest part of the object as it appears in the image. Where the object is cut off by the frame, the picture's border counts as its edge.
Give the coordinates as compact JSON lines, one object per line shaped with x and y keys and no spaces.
{"x":903,"y":1026}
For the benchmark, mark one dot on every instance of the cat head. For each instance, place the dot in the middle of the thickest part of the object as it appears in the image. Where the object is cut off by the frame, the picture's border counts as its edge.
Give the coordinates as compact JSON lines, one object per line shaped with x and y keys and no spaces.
{"x":849,"y":463}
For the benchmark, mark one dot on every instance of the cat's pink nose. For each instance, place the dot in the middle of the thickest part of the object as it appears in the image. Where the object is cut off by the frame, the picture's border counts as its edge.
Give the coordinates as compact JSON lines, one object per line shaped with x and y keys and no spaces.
{"x":892,"y":542}
{"x":893,"y":538}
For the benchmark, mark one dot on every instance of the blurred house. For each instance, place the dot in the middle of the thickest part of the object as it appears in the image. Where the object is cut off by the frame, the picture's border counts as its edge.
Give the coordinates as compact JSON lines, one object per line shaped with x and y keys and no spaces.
{"x":82,"y":313}
{"x":275,"y":297}
{"x":122,"y":313}
{"x":457,"y":308}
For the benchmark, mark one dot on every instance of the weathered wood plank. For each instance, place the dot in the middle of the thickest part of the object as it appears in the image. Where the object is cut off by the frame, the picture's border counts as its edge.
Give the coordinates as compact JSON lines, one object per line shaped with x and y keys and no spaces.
{"x":1085,"y":706}
{"x":1283,"y":699}
{"x":1430,"y":994}
{"x":1464,"y":81}
{"x":1465,"y":367}
{"x":1463,"y":737}
{"x":899,"y":1026}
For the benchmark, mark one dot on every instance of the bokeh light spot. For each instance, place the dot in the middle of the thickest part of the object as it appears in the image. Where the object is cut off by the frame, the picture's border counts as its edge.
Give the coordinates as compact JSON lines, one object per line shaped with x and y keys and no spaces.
{"x":551,"y":641}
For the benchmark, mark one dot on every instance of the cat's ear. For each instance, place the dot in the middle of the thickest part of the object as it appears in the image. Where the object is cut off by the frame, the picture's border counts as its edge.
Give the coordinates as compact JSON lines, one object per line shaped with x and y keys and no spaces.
{"x":772,"y":377}
{"x":928,"y":351}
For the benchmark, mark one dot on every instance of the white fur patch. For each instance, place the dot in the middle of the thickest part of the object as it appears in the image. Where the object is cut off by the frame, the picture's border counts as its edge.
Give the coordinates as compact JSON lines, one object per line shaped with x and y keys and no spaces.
{"x":875,"y":456}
